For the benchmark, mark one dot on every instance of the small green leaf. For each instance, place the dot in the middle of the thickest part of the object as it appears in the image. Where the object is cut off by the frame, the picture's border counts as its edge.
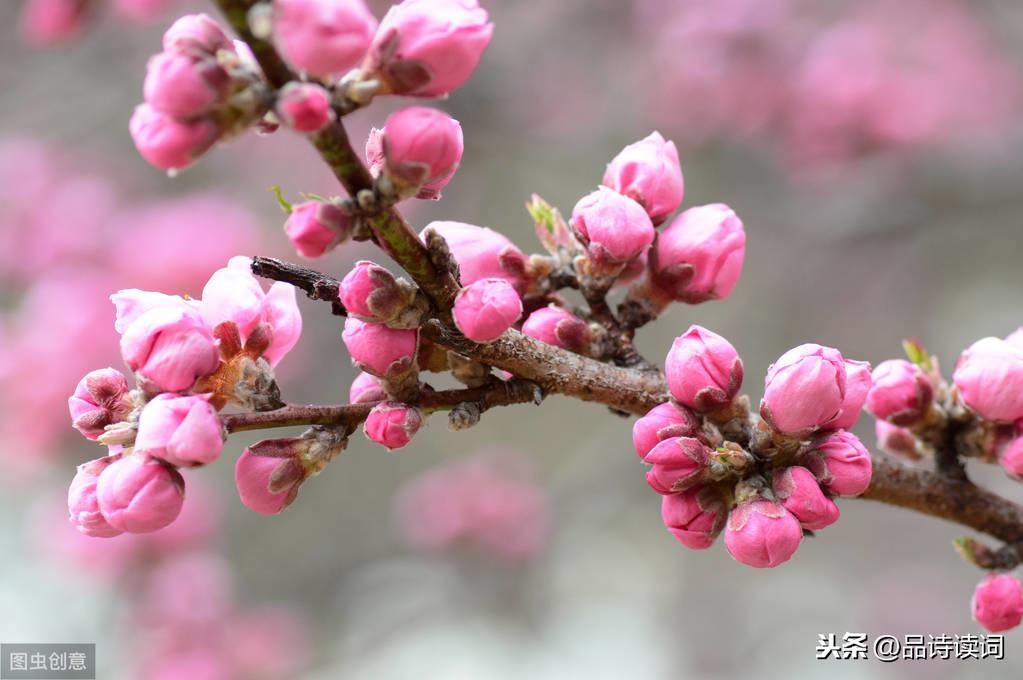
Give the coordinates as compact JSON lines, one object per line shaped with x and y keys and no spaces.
{"x":314,"y":197}
{"x":281,"y":201}
{"x":917,"y":353}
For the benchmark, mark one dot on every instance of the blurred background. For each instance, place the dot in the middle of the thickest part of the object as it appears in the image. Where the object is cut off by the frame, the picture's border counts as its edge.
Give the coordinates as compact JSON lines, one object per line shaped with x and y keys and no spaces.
{"x":874,"y":150}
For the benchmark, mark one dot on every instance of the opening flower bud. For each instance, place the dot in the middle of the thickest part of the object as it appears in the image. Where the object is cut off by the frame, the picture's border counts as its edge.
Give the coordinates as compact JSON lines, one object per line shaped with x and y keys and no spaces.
{"x":901,"y":393}
{"x":804,"y":389}
{"x":613,"y":228}
{"x":486,"y":308}
{"x":559,"y":327}
{"x":699,"y":256}
{"x":100,"y":399}
{"x":648,"y":172}
{"x":418,"y":150}
{"x":694,"y":517}
{"x":170,"y":347}
{"x":181,"y":430}
{"x":703,"y":370}
{"x":139,"y":493}
{"x":393,"y":424}
{"x":989,"y":378}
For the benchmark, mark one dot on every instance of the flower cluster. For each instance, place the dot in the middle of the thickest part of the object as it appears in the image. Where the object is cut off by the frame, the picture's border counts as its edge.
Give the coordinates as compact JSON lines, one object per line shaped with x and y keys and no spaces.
{"x":764,"y":480}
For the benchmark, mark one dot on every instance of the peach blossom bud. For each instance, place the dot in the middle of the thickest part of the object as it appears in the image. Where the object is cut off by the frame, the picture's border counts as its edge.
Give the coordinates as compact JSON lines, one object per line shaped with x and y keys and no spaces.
{"x":901,"y":393}
{"x":989,"y":377}
{"x":378,"y":349}
{"x":166,"y":143}
{"x":762,"y":533}
{"x":47,"y":22}
{"x":648,"y":172}
{"x":170,"y":347}
{"x":83,"y":507}
{"x":804,"y":389}
{"x":896,"y":440}
{"x":661,"y":422}
{"x":100,"y":399}
{"x":1011,"y":458}
{"x":322,"y":37}
{"x":486,"y":309}
{"x":366,"y":389}
{"x":392,"y":424}
{"x":857,"y":385}
{"x":139,"y":494}
{"x":183,"y":431}
{"x":840,"y":463}
{"x":997,"y":602}
{"x":418,"y":149}
{"x":678,"y":463}
{"x":699,"y":256}
{"x":613,"y":228}
{"x":703,"y":370}
{"x":427,"y":48}
{"x":694,"y":517}
{"x":481,"y":253}
{"x":315,"y":227}
{"x":131,"y":303}
{"x":269,"y":473}
{"x":184,"y":86}
{"x":196,"y":34}
{"x":799,"y":492}
{"x":371,"y":293}
{"x":304,"y":107}
{"x":559,"y":327}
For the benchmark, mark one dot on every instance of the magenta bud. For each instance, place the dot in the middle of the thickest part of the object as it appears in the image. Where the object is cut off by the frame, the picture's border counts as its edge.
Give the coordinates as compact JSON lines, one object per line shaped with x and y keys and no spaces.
{"x":1011,"y":458}
{"x":661,"y":422}
{"x":371,"y":293}
{"x":857,"y":385}
{"x":315,"y":227}
{"x":392,"y":424}
{"x":804,"y":389}
{"x":699,"y":256}
{"x":196,"y":34}
{"x":181,"y":430}
{"x":678,"y":463}
{"x":100,"y":399}
{"x":427,"y":48}
{"x":694,"y":517}
{"x":139,"y":493}
{"x":703,"y":370}
{"x":378,"y":349}
{"x":559,"y":327}
{"x":840,"y":463}
{"x":82,"y":504}
{"x":648,"y":172}
{"x":322,"y":37}
{"x":997,"y":602}
{"x":901,"y":393}
{"x":481,"y":253}
{"x":304,"y":107}
{"x":366,"y":389}
{"x":989,"y":378}
{"x":896,"y":440}
{"x":184,"y":85}
{"x":613,"y":228}
{"x":762,"y":533}
{"x":799,"y":492}
{"x":167,"y":143}
{"x":418,"y":149}
{"x":170,"y":347}
{"x":269,"y":473}
{"x":487,"y":308}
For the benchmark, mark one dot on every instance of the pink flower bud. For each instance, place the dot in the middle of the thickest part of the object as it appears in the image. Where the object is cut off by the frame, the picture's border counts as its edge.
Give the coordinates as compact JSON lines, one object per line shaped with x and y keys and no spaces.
{"x":170,"y":347}
{"x":393,"y":424}
{"x":805,"y":389}
{"x":661,"y":422}
{"x":83,"y":507}
{"x":678,"y":463}
{"x":100,"y":399}
{"x":989,"y":377}
{"x":371,"y":293}
{"x":427,"y":48}
{"x":139,"y":494}
{"x":698,"y":257}
{"x":184,"y":86}
{"x":486,"y":309}
{"x":1011,"y":458}
{"x":896,"y":440}
{"x":269,"y":473}
{"x":418,"y":149}
{"x":694,"y":517}
{"x":799,"y":492}
{"x":703,"y":369}
{"x":315,"y":227}
{"x":840,"y":463}
{"x":166,"y":143}
{"x":901,"y":393}
{"x":304,"y":107}
{"x":997,"y":602}
{"x":47,"y":22}
{"x":183,"y":431}
{"x":648,"y":172}
{"x":366,"y":389}
{"x":613,"y":228}
{"x":762,"y":533}
{"x":559,"y":327}
{"x":196,"y":34}
{"x":378,"y":349}
{"x":482,"y":253}
{"x":131,"y":303}
{"x":857,"y":385}
{"x":322,"y":37}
